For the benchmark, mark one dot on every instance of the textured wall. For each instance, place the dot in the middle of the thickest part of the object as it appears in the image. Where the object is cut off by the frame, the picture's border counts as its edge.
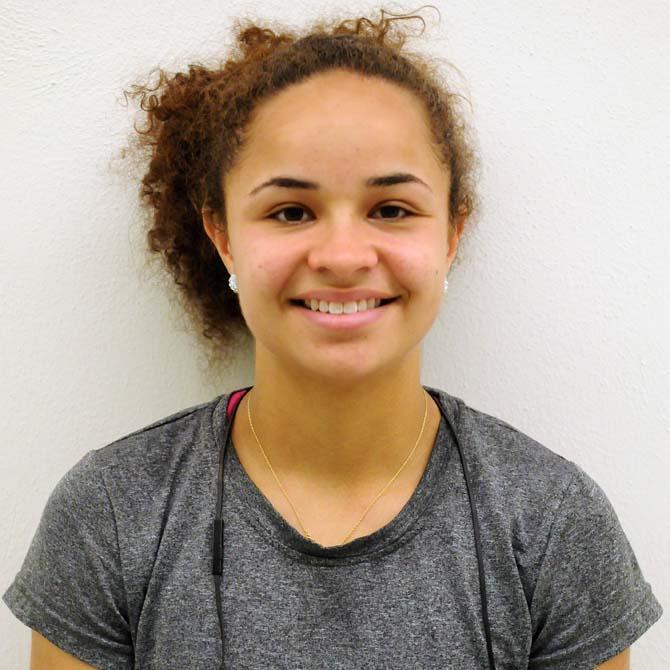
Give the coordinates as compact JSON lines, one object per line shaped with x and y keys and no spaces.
{"x":556,"y":320}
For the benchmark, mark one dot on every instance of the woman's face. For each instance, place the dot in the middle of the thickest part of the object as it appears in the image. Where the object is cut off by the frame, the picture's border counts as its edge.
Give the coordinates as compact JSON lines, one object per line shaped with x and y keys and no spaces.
{"x":337,"y":130}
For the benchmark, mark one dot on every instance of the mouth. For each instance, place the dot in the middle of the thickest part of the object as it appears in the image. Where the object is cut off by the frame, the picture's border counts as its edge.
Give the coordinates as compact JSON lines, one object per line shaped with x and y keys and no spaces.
{"x":382,"y":303}
{"x":345,"y":322}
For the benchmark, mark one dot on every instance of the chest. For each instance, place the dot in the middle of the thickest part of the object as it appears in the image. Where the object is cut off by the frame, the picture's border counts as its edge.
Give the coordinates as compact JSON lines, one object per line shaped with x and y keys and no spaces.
{"x":415,"y":606}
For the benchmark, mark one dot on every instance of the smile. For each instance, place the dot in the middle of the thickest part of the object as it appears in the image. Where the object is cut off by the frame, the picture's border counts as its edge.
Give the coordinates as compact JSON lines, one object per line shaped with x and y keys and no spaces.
{"x":352,"y":307}
{"x":341,"y":321}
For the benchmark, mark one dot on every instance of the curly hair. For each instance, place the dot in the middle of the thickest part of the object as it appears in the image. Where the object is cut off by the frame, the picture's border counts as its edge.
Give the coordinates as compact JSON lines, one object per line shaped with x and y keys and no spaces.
{"x":193,"y":131}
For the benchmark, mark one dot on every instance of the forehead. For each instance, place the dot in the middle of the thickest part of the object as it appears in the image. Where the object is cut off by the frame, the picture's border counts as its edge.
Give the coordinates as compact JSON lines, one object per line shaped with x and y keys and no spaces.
{"x":342,"y":122}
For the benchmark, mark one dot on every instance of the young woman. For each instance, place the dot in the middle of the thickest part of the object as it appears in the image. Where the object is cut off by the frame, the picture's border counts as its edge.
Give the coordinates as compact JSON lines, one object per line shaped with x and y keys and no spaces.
{"x":338,"y":513}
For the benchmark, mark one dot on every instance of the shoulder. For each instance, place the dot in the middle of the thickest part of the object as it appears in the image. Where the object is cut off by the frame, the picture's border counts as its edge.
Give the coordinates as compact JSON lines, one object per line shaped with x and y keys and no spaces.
{"x":536,"y":507}
{"x":164,"y":442}
{"x":138,"y":471}
{"x":522,"y":487}
{"x":503,"y":455}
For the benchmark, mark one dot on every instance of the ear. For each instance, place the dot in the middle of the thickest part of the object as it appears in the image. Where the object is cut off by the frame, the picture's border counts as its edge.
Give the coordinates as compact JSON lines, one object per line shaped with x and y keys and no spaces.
{"x":216,"y":232}
{"x":454,"y":234}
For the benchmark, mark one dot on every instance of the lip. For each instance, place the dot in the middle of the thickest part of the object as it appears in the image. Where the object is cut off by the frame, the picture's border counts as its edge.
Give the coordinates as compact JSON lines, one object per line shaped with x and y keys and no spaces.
{"x":344,"y":296}
{"x":341,"y":322}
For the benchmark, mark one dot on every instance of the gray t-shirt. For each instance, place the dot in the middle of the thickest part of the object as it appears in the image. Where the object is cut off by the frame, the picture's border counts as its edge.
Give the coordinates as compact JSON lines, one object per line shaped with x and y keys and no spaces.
{"x":119,"y":572}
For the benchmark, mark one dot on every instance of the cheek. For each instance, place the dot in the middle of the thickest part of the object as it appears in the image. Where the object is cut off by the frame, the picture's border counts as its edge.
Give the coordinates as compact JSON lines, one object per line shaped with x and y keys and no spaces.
{"x":268,"y":268}
{"x":416,"y":268}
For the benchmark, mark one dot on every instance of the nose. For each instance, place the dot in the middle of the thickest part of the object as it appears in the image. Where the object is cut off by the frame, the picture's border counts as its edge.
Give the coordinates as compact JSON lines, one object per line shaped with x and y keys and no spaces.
{"x":342,"y":246}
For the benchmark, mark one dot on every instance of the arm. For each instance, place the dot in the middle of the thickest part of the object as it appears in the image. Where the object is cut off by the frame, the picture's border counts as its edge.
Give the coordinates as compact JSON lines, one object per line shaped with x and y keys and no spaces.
{"x":74,"y":558}
{"x":590,"y":594}
{"x":47,"y":656}
{"x":619,"y":662}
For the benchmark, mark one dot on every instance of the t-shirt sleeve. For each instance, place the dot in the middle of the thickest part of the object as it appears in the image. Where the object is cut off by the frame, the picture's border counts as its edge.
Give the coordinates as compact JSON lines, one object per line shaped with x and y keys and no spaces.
{"x":591,"y":600}
{"x":70,"y":587}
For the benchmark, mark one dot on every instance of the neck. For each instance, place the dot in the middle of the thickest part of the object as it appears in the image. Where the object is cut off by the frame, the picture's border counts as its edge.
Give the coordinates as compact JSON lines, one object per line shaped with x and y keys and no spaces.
{"x":349,"y":435}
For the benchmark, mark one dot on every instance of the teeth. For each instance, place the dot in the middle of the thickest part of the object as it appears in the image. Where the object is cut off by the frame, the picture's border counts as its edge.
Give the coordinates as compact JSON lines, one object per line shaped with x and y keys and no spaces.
{"x":341,"y":308}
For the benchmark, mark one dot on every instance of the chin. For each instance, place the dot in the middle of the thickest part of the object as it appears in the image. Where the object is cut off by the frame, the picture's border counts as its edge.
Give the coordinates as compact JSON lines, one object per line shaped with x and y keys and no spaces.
{"x":347,"y":368}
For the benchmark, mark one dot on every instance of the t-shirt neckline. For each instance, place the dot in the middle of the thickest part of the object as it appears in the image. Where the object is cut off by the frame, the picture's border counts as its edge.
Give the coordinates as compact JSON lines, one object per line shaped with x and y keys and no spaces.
{"x":260,"y":512}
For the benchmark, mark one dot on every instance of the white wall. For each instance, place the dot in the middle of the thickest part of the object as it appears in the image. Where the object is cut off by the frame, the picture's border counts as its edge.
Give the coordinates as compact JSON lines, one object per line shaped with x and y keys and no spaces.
{"x":557,"y":319}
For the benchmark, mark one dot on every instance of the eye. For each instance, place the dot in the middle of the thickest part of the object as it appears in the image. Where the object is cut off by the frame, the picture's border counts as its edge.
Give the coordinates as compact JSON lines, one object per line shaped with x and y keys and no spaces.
{"x":297,"y":209}
{"x":292,"y":208}
{"x":402,"y":209}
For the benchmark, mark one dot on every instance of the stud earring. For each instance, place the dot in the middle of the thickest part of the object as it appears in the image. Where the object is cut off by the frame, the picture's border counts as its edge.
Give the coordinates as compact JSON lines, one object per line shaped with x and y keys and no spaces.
{"x":446,"y":285}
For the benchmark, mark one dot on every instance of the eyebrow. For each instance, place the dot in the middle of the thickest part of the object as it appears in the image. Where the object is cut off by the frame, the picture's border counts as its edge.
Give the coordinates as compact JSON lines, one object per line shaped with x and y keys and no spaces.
{"x":382,"y":180}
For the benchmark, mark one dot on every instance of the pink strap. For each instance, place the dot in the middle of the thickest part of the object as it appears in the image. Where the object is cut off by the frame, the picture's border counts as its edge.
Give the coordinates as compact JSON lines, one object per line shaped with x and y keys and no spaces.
{"x":235,"y":397}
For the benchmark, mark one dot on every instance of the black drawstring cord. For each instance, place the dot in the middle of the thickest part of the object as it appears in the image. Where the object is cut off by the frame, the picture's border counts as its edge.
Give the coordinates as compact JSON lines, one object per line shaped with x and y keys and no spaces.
{"x":217,"y":548}
{"x":478,"y":546}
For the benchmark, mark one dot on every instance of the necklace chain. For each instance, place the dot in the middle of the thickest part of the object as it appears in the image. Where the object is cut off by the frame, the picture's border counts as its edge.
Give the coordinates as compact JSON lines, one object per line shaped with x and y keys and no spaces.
{"x":379,"y":495}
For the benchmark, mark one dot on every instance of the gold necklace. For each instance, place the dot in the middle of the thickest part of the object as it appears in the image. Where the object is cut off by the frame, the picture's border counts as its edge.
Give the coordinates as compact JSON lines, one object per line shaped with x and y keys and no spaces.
{"x":379,"y":495}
